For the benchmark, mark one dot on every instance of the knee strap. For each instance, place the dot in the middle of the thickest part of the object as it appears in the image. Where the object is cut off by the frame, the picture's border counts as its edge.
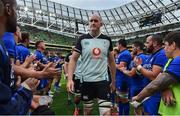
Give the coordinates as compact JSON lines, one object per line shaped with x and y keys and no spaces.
{"x":104,"y":106}
{"x":88,"y":104}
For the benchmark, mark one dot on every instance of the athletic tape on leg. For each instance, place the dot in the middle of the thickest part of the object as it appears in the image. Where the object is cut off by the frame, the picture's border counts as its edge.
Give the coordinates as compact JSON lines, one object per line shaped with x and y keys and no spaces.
{"x":104,"y":106}
{"x":88,"y":104}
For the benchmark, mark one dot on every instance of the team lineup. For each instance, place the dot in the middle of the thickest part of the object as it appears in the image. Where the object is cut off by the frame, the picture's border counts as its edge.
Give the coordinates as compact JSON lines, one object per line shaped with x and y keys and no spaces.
{"x":144,"y":79}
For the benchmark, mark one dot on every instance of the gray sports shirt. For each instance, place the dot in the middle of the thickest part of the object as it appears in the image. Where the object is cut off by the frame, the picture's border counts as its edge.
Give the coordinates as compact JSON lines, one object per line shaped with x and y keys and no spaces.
{"x":94,"y":57}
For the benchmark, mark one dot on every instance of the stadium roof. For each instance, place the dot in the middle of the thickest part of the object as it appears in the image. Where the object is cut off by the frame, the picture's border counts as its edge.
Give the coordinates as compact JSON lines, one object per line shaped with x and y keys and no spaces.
{"x":122,"y":21}
{"x":93,"y":4}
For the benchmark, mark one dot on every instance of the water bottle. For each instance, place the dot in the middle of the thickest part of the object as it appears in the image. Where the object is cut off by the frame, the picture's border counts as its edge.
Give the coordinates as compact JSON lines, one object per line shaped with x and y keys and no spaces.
{"x":45,"y":100}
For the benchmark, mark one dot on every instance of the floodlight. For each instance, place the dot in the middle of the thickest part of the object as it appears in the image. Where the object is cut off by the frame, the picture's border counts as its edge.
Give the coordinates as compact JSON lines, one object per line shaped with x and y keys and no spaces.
{"x":25,"y":9}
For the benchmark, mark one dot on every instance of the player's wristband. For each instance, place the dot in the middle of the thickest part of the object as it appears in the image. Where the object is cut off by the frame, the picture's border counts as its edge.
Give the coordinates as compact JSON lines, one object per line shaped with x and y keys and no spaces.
{"x":125,"y":72}
{"x":25,"y":86}
{"x":139,"y":67}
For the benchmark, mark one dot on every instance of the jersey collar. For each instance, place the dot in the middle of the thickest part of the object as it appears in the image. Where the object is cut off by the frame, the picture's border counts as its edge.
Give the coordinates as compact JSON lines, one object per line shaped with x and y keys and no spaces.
{"x":95,"y":36}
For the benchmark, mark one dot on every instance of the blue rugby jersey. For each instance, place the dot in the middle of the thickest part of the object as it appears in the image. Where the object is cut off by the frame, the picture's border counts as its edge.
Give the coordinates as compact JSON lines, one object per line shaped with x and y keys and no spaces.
{"x":10,"y":44}
{"x":22,"y":52}
{"x":137,"y":80}
{"x":41,"y":57}
{"x":58,"y":60}
{"x":158,"y":58}
{"x":174,"y":68}
{"x":12,"y":101}
{"x":122,"y":81}
{"x":123,"y":56}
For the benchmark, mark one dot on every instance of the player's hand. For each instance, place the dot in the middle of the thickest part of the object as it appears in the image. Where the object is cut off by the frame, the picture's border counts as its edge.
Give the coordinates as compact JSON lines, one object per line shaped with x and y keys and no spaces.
{"x":119,"y":65}
{"x":135,"y":102}
{"x":112,"y":86}
{"x":168,"y":97}
{"x":31,"y":84}
{"x":70,"y":86}
{"x":122,"y":69}
{"x":137,"y":61}
{"x":30,"y":59}
{"x":18,"y":82}
{"x":136,"y":98}
{"x":48,"y":71}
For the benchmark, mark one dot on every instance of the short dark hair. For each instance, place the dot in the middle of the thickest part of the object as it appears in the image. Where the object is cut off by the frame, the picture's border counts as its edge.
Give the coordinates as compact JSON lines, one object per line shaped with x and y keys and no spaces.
{"x":122,"y":42}
{"x":37,"y":43}
{"x":158,"y":39}
{"x":8,"y":2}
{"x":173,"y":37}
{"x":4,"y":2}
{"x":24,"y":37}
{"x":139,"y":44}
{"x":116,"y":50}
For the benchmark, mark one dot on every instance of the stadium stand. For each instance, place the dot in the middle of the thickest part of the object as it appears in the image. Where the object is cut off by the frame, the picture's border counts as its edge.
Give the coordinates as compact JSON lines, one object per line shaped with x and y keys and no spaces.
{"x":59,"y":25}
{"x":48,"y":37}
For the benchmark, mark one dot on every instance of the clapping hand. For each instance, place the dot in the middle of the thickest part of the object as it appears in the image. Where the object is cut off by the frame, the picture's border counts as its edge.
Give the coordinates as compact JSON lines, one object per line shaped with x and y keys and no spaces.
{"x":168,"y":97}
{"x":49,"y":71}
{"x":137,"y":61}
{"x":31,"y":84}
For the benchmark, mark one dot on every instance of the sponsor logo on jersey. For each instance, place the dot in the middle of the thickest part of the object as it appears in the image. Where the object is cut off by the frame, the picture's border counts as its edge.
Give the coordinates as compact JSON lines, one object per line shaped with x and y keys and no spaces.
{"x":86,"y":43}
{"x":96,"y":53}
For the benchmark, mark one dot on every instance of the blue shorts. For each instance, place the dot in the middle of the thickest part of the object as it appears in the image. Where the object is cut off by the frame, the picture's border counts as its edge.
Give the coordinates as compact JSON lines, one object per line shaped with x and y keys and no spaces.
{"x":134,"y":91}
{"x":151,"y":106}
{"x":122,"y":85}
{"x":43,"y":83}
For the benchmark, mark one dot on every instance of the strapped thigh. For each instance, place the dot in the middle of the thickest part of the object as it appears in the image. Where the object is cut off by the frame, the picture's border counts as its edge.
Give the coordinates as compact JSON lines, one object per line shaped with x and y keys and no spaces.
{"x":88,"y":104}
{"x":104,"y":106}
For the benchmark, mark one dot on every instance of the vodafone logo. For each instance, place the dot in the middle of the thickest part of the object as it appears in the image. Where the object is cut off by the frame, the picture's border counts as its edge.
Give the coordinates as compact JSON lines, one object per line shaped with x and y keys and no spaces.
{"x":96,"y":51}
